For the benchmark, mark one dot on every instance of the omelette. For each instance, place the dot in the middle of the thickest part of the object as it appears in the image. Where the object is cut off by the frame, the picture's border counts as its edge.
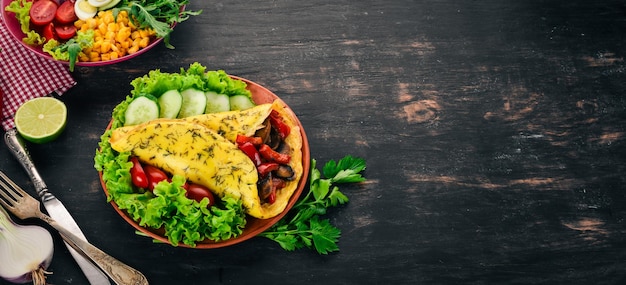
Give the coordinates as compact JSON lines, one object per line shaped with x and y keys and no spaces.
{"x":203,"y":149}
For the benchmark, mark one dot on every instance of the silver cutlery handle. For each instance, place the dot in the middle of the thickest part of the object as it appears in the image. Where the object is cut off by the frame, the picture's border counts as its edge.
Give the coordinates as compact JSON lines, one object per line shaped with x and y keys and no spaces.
{"x":17,"y":148}
{"x":119,"y":272}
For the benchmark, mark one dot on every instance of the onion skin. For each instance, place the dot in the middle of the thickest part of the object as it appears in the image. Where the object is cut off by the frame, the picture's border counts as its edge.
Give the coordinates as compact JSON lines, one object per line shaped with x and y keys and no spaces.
{"x":26,"y":251}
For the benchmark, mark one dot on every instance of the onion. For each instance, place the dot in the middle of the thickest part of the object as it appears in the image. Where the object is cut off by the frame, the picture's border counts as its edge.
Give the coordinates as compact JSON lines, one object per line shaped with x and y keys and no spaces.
{"x":25,"y":251}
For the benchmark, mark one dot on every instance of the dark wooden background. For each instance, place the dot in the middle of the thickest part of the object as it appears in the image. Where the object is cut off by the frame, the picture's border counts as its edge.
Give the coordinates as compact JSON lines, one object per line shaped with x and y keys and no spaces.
{"x":493,"y":131}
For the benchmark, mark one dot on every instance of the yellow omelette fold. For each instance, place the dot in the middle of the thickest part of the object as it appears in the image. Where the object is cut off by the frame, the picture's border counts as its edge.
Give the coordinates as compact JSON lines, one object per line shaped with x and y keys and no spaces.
{"x":227,"y":124}
{"x":195,"y":152}
{"x":203,"y":150}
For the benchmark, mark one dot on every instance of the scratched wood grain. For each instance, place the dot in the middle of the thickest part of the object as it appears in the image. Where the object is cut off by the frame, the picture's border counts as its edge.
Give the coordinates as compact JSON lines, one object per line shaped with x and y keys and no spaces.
{"x":493,"y":133}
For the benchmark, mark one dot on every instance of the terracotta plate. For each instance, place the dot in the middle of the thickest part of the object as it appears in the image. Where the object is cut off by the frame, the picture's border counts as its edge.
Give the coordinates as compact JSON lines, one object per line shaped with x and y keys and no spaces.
{"x":254,"y":226}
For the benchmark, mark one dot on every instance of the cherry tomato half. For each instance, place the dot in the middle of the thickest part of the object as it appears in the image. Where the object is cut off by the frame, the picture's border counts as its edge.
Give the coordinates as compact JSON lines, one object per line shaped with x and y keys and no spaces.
{"x":65,"y":32}
{"x":65,"y":13}
{"x":42,"y":12}
{"x":155,"y":175}
{"x":48,"y":31}
{"x":137,"y":174}
{"x":199,"y":192}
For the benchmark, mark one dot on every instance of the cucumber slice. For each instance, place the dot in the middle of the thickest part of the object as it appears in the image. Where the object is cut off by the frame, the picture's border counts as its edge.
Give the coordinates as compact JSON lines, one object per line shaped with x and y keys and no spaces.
{"x":216,"y":102}
{"x":194,"y":103}
{"x":141,"y":109}
{"x":241,"y":102}
{"x":170,"y":103}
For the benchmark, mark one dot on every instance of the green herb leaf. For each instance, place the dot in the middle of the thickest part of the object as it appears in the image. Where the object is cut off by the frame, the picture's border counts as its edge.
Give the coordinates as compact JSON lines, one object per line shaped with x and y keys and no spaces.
{"x":302,"y":226}
{"x":346,"y":170}
{"x":325,"y":236}
{"x":286,"y":241}
{"x":320,"y":188}
{"x":336,"y":198}
{"x":73,"y":49}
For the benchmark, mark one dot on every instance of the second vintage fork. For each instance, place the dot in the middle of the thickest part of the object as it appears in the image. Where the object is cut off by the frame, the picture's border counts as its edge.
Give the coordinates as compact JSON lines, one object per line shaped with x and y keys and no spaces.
{"x":24,"y":206}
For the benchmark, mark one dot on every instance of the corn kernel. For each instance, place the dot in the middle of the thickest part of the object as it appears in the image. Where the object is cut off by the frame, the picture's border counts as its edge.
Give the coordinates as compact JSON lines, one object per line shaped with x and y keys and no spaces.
{"x":125,"y":44}
{"x":112,"y":27}
{"x":133,"y":49}
{"x":91,"y":23}
{"x":102,"y":27}
{"x":106,"y":47}
{"x":114,"y":37}
{"x":144,"y":42}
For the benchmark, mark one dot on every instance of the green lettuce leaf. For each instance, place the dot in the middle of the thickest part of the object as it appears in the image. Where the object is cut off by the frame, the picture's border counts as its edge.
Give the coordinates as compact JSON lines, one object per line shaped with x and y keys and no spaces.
{"x":156,"y":82}
{"x":33,"y":39}
{"x":21,"y":9}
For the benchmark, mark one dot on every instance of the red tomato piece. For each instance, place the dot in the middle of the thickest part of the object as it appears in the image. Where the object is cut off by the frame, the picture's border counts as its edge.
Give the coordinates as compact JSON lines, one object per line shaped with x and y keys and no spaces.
{"x":250,"y":150}
{"x":267,"y":167}
{"x":278,"y":123}
{"x":254,"y":140}
{"x":65,"y":13}
{"x":155,"y":175}
{"x":48,"y":31}
{"x":137,"y":174}
{"x":42,"y":12}
{"x":65,"y":32}
{"x":269,"y":154}
{"x":199,"y":192}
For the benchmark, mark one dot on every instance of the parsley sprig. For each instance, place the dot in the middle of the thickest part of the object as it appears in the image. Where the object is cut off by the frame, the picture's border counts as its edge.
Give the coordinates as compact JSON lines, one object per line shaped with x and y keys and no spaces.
{"x":303,"y":225}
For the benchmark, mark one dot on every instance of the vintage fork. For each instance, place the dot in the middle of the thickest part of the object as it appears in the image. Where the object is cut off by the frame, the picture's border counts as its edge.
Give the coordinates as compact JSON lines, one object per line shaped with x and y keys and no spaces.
{"x":24,"y":206}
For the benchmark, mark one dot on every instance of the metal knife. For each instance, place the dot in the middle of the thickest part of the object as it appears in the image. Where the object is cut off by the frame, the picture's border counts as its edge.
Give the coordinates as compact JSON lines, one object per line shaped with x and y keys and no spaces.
{"x":54,"y":207}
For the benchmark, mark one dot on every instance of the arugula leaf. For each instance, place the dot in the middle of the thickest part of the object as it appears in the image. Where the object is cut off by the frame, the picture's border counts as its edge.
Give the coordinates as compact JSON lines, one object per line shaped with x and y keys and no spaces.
{"x":302,"y":226}
{"x":159,"y":15}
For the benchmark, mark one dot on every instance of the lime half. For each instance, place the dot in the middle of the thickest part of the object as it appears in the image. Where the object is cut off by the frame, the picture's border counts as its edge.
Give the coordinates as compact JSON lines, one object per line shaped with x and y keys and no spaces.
{"x":41,"y":120}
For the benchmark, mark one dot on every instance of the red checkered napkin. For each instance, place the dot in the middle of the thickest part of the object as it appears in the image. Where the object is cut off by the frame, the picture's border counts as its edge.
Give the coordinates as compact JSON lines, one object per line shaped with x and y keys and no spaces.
{"x":25,"y":75}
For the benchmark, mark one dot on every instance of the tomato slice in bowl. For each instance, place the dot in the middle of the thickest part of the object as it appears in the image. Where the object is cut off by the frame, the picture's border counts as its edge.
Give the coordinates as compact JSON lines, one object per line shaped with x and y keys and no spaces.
{"x":65,"y":13}
{"x":48,"y":31}
{"x":65,"y":32}
{"x":42,"y":12}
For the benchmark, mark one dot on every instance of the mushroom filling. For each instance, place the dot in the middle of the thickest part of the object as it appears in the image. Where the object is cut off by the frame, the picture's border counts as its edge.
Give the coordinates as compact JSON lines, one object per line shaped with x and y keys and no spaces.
{"x":273,"y":176}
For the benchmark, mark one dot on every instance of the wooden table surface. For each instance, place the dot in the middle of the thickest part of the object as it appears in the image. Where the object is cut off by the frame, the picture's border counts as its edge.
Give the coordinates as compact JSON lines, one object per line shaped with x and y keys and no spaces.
{"x":493,"y":131}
